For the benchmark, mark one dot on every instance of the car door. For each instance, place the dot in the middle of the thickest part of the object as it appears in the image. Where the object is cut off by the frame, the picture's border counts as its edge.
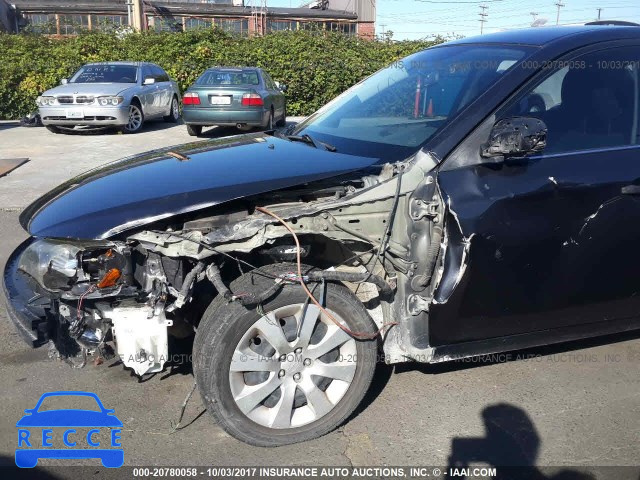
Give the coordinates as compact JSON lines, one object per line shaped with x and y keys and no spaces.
{"x":165,"y":90}
{"x":552,"y":240}
{"x":149,"y":93}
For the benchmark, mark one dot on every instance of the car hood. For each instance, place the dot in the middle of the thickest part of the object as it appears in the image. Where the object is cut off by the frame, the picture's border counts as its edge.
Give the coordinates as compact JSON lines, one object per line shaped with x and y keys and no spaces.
{"x":94,"y":89}
{"x":145,"y":188}
{"x":69,"y":418}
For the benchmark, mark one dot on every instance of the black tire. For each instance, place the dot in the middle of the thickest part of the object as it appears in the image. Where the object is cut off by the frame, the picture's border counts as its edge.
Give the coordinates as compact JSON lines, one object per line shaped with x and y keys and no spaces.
{"x":283,"y":120}
{"x":53,"y":129}
{"x":224,"y":324}
{"x":174,"y":114}
{"x":194,"y":130}
{"x":136,"y":118}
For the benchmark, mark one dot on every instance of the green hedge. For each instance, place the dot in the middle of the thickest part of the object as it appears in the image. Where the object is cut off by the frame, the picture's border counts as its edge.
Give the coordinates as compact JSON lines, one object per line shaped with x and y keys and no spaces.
{"x":315,"y":66}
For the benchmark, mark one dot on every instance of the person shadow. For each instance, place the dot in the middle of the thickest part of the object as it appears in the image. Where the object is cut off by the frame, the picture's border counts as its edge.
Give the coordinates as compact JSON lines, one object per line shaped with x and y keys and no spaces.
{"x":511,"y":444}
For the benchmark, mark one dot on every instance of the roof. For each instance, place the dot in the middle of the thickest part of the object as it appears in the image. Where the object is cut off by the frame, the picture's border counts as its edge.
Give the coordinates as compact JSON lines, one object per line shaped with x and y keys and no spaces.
{"x":121,"y":62}
{"x":118,"y":7}
{"x":310,"y":13}
{"x":543,"y":35}
{"x":234,"y":69}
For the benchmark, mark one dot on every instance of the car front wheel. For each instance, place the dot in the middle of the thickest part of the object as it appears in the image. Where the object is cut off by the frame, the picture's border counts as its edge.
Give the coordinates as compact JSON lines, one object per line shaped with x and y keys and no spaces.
{"x":136,"y":119}
{"x":283,"y":373}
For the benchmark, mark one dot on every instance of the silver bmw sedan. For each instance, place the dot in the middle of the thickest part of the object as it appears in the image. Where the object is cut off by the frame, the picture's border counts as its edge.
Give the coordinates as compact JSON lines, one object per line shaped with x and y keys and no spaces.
{"x":113,"y":94}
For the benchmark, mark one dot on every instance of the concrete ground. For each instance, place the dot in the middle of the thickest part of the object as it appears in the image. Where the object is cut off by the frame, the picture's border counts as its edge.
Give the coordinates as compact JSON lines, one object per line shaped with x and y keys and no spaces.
{"x":57,"y":157}
{"x":570,"y":405}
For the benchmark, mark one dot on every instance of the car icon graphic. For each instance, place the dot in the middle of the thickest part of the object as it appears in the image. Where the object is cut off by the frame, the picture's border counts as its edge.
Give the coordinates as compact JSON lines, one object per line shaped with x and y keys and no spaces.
{"x":29,"y":451}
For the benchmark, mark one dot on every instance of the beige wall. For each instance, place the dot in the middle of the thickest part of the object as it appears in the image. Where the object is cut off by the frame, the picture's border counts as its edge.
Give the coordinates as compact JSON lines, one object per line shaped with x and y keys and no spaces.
{"x":365,"y":9}
{"x":138,"y":17}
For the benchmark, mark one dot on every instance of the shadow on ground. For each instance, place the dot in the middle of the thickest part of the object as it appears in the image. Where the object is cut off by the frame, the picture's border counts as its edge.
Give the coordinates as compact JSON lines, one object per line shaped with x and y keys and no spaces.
{"x":150,"y":126}
{"x":8,"y":126}
{"x":511,"y":440}
{"x":8,"y":469}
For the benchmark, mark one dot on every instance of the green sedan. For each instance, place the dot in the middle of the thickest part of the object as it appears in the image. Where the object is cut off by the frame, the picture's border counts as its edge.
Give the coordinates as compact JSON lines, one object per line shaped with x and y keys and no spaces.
{"x":241,"y":97}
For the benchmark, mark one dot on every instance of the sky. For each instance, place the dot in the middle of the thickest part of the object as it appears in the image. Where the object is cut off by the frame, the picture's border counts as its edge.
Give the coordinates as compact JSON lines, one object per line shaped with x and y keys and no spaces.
{"x":415,"y":19}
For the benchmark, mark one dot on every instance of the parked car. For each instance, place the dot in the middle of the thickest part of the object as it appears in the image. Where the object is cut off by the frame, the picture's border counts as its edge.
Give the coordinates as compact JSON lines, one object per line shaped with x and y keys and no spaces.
{"x":476,"y":197}
{"x":112,"y":94}
{"x":241,"y":97}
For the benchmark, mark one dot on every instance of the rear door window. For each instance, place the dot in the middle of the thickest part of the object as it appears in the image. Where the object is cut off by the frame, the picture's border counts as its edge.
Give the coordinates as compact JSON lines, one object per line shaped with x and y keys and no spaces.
{"x":159,"y":74}
{"x":268,"y":81}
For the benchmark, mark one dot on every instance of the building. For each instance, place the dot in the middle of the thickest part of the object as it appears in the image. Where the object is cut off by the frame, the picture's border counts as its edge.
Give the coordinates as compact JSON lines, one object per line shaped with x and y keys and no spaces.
{"x":67,"y":17}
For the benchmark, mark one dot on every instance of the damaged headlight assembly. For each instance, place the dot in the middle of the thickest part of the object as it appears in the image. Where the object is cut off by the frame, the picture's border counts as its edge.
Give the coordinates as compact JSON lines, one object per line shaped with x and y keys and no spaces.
{"x":53,"y":264}
{"x":84,"y":278}
{"x":67,"y":267}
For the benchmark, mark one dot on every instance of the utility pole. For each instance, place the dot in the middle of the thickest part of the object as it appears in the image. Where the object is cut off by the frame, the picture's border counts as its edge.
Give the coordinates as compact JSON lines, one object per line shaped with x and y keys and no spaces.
{"x":483,"y":16}
{"x":129,"y":5}
{"x":559,"y":4}
{"x":599,"y":10}
{"x":383,"y":25}
{"x":534,"y":15}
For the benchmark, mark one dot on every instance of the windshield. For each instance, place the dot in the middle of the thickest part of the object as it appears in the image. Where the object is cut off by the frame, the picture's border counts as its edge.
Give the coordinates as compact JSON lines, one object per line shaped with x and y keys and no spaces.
{"x":391,"y":114}
{"x":222,"y":77}
{"x":106,"y":74}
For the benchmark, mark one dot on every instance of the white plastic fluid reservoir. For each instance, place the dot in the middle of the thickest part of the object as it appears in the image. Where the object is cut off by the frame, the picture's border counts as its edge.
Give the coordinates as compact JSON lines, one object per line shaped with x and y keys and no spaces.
{"x":140,"y":336}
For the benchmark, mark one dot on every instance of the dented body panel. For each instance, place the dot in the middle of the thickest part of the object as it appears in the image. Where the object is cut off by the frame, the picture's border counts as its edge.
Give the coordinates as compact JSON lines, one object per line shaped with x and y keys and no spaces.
{"x":553,"y":243}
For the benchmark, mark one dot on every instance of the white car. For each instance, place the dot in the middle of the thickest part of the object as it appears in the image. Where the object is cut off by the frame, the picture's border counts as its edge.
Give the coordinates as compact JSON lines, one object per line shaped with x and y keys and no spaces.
{"x":112,"y":94}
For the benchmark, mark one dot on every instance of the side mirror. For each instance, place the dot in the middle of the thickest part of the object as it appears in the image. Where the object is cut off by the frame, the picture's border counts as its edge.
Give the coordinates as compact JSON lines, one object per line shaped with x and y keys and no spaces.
{"x":64,"y":81}
{"x":149,"y":81}
{"x":515,"y":137}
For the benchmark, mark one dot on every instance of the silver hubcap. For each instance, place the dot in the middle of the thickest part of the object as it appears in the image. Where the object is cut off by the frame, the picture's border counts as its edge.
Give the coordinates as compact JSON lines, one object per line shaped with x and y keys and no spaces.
{"x":135,"y":118}
{"x":174,"y":109}
{"x":292,"y":367}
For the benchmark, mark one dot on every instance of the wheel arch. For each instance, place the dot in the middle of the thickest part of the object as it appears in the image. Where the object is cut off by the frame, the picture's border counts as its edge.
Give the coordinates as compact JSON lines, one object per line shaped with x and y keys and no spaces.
{"x":135,"y":99}
{"x":319,"y":251}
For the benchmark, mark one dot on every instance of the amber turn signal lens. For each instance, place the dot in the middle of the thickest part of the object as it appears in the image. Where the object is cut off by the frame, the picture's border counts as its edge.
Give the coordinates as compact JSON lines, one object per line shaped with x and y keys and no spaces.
{"x":110,"y":278}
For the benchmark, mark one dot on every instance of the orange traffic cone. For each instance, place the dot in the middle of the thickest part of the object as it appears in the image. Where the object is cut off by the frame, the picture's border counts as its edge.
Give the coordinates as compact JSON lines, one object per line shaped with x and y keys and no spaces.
{"x":430,"y":108}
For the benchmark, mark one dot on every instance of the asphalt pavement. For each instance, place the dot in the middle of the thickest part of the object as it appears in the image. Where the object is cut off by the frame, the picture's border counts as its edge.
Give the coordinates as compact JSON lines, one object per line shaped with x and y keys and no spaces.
{"x":569,"y":405}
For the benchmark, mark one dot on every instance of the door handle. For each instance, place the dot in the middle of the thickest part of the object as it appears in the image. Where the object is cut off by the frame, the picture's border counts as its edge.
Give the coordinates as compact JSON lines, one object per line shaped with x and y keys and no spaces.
{"x":631,"y":190}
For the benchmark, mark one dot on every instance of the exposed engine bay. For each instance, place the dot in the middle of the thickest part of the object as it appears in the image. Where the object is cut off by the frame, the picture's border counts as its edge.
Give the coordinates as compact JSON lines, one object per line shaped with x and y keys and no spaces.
{"x":380,"y":234}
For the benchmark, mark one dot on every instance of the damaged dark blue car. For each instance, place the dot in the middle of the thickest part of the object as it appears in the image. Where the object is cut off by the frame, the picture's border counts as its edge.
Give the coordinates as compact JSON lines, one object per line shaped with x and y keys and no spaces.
{"x":476,"y":197}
